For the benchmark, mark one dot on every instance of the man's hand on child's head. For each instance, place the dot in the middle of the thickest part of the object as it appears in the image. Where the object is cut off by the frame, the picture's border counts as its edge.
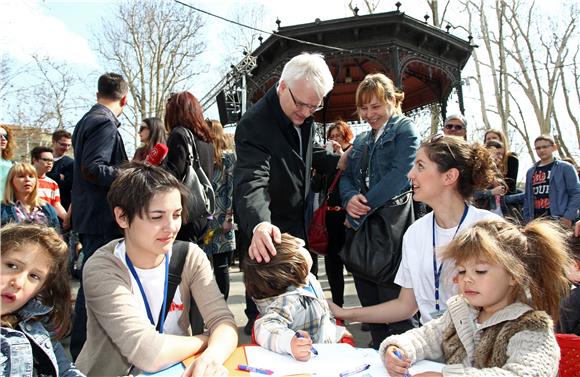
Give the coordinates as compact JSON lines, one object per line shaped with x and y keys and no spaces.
{"x":263,"y":239}
{"x":301,"y":346}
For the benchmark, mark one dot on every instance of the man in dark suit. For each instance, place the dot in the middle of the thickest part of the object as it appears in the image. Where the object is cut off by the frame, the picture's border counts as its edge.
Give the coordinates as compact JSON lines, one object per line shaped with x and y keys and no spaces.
{"x":98,"y":151}
{"x":275,"y":154}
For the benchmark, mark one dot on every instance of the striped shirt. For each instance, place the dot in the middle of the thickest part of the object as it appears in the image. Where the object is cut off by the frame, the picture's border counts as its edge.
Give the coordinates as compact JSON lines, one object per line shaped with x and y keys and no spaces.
{"x":48,"y":190}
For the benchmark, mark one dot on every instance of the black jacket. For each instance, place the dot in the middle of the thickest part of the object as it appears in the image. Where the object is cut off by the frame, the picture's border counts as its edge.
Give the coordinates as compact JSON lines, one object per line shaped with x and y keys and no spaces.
{"x":271,"y":180}
{"x":99,"y":150}
{"x":63,"y":166}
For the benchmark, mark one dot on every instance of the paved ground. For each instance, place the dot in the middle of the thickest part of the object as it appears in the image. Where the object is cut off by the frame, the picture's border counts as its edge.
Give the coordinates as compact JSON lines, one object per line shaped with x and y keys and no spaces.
{"x":236,"y":302}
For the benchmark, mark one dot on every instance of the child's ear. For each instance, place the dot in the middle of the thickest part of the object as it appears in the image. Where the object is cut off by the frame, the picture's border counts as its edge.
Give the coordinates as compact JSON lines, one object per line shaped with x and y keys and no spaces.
{"x":121,"y":217}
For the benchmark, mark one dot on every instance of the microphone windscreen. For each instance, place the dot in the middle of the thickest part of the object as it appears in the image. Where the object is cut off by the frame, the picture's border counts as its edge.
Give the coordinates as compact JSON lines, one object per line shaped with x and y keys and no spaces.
{"x":157,"y":154}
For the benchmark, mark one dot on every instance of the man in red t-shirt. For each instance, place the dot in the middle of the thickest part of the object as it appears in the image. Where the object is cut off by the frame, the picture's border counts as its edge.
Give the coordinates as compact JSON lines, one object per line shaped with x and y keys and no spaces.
{"x":48,"y":190}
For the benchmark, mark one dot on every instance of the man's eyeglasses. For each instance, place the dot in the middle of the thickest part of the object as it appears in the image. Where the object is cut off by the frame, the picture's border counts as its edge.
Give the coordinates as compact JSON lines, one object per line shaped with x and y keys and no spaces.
{"x":455,"y":127}
{"x":46,"y":159}
{"x":540,"y":147}
{"x":5,"y":137}
{"x":302,"y":105}
{"x":64,"y":145}
{"x":435,"y":138}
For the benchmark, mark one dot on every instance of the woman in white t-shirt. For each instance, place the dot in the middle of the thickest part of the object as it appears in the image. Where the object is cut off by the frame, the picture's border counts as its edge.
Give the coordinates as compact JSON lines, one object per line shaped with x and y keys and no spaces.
{"x":446,"y":172}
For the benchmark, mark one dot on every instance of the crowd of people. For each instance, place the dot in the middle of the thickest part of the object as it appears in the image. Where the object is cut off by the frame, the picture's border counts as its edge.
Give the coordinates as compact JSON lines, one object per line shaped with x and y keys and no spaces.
{"x":479,"y":277}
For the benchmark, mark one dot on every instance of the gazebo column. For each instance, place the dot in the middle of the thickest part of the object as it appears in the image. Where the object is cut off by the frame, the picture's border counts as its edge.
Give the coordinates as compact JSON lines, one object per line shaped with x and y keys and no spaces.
{"x":396,"y":65}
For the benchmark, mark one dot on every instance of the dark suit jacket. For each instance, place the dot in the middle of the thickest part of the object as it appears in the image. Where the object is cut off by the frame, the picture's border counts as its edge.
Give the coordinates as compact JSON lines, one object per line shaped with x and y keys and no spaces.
{"x":271,"y":181}
{"x":99,"y":150}
{"x":64,"y":166}
{"x":176,"y":164}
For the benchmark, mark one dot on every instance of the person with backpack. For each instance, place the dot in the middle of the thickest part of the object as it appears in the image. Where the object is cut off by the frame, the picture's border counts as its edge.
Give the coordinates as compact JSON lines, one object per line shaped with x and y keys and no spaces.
{"x":139,"y":288}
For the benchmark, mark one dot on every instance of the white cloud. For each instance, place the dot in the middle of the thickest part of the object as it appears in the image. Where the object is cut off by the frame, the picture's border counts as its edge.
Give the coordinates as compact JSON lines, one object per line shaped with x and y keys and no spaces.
{"x":26,"y":30}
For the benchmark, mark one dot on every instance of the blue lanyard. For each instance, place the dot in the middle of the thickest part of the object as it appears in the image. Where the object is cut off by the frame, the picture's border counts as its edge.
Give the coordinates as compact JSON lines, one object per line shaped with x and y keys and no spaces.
{"x":163,"y":308}
{"x":437,"y":271}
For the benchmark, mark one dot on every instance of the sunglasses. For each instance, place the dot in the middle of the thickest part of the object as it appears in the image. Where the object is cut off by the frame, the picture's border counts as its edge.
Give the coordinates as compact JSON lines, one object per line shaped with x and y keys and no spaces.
{"x":455,"y":127}
{"x":5,"y":137}
{"x":46,"y":159}
{"x":141,"y":129}
{"x":440,"y":137}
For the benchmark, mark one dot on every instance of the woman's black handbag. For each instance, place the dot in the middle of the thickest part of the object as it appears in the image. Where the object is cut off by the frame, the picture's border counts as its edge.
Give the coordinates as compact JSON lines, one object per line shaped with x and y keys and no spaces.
{"x":201,"y":199}
{"x":373,"y":252}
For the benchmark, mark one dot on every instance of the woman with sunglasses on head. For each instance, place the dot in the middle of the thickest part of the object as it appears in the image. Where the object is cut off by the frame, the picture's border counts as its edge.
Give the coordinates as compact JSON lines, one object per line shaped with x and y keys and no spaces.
{"x":7,"y":145}
{"x":151,"y":133}
{"x":446,"y":173}
{"x":385,"y":154}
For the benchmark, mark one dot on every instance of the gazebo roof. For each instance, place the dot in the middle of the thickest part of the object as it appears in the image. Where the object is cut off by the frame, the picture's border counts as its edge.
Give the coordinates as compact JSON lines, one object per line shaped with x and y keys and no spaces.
{"x":423,"y":60}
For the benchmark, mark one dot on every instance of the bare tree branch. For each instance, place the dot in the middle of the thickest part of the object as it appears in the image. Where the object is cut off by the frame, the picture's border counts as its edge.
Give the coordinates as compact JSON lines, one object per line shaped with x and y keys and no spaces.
{"x":154,"y":44}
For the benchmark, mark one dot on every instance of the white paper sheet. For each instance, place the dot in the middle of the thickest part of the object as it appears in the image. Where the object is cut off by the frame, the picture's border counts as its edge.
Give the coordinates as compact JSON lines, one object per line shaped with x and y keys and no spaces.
{"x":332,"y":359}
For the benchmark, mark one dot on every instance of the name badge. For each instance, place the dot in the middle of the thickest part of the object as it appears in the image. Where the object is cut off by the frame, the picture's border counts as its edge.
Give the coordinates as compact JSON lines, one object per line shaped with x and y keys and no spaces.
{"x":437,"y":313}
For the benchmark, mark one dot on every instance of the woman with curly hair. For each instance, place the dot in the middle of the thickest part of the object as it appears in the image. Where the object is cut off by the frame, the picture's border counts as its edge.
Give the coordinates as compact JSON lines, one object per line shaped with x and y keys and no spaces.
{"x":446,"y":173}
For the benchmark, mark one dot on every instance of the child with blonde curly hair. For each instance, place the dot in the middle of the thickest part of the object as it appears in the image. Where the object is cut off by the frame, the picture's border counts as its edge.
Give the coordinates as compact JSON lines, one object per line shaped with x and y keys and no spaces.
{"x":511,"y":281}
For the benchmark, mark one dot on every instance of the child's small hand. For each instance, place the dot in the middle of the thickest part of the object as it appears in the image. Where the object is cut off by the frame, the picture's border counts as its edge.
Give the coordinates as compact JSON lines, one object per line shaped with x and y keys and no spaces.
{"x":395,"y":366}
{"x":301,"y":346}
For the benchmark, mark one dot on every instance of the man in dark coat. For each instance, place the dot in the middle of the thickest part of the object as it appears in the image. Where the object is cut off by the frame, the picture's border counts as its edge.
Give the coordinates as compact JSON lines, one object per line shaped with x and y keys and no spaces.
{"x":98,"y":151}
{"x":275,"y":155}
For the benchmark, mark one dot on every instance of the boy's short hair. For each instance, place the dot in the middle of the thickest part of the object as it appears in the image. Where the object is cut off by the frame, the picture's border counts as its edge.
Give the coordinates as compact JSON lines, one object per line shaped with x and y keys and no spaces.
{"x":545,"y":138}
{"x":112,"y":86}
{"x":288,"y":267}
{"x":59,"y":134}
{"x":36,"y":152}
{"x":137,"y":183}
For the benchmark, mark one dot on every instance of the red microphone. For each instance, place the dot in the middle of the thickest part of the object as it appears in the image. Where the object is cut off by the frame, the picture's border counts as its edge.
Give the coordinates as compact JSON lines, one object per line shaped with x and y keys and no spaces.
{"x":157,"y":154}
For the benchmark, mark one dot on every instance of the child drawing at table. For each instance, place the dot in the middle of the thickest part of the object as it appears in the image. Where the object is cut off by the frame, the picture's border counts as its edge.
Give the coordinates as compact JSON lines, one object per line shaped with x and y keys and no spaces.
{"x":35,"y":302}
{"x":511,"y":281}
{"x":290,"y":301}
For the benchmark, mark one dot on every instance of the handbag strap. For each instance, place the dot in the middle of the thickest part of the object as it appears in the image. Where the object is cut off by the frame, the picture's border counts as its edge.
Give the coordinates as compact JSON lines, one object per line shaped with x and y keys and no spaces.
{"x":333,"y":184}
{"x":192,"y":148}
{"x":364,"y":165}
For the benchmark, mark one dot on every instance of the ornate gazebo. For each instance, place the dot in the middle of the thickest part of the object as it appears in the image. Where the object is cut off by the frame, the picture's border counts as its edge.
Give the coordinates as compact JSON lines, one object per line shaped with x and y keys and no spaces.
{"x":423,"y":60}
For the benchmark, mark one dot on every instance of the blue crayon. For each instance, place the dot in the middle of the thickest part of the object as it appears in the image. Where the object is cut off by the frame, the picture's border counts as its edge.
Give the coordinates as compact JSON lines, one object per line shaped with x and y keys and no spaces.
{"x":313,"y":350}
{"x":247,"y":368}
{"x":398,"y":354}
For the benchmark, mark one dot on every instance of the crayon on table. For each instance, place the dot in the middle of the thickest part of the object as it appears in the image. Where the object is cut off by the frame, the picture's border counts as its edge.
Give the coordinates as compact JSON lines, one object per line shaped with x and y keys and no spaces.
{"x":356,"y":370}
{"x":247,"y":368}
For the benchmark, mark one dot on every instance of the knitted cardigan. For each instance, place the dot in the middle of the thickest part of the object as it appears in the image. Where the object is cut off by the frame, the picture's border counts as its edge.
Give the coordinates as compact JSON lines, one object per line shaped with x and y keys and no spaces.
{"x":515,"y":341}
